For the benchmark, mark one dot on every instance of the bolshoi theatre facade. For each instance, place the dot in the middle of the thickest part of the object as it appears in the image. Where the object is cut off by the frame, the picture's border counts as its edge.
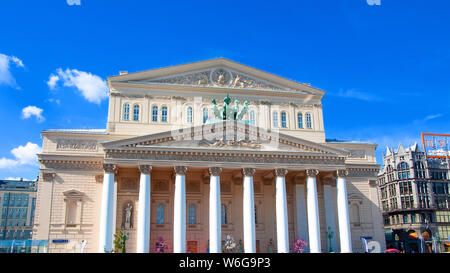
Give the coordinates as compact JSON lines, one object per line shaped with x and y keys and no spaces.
{"x":197,"y":152}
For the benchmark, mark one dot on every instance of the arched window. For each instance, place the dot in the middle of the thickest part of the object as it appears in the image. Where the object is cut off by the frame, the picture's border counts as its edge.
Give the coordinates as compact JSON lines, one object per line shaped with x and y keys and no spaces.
{"x":224,"y":214}
{"x":160,"y":214}
{"x":308,"y":121}
{"x":189,"y":114}
{"x":252,"y":117}
{"x":354,"y":212}
{"x":126,"y":111}
{"x":275,"y":119}
{"x":136,"y":112}
{"x":205,"y":115}
{"x":164,"y":114}
{"x":300,"y":120}
{"x":283,"y":119}
{"x":192,"y":219}
{"x":155,"y":113}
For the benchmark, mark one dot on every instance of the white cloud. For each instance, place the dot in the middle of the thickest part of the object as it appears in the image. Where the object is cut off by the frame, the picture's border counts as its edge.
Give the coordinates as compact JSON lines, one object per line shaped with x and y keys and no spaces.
{"x":57,"y":101}
{"x":433,"y":116}
{"x":5,"y":74}
{"x":354,"y":94}
{"x":29,"y":111}
{"x":74,"y":2}
{"x":27,"y":154}
{"x":24,"y":155}
{"x":7,"y":163}
{"x":91,"y":86}
{"x":52,"y":81}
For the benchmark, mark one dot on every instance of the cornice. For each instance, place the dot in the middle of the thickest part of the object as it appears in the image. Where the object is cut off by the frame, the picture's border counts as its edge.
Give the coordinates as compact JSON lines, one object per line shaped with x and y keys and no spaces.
{"x":214,"y":89}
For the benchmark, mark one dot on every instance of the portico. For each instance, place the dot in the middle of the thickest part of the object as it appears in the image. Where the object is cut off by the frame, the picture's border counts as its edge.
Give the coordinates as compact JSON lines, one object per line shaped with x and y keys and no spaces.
{"x":240,"y":163}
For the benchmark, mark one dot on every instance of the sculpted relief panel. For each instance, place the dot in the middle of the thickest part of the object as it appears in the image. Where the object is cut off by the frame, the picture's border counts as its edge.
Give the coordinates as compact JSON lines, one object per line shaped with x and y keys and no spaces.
{"x":220,"y":77}
{"x":76,"y":145}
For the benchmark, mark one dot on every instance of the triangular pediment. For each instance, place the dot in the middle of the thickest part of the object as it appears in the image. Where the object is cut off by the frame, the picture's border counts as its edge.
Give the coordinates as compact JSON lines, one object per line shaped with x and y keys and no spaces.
{"x":216,"y":73}
{"x":220,"y":136}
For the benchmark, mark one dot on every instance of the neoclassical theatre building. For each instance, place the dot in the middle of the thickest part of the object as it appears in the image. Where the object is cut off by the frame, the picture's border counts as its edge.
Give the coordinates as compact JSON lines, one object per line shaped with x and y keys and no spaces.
{"x":196,"y":152}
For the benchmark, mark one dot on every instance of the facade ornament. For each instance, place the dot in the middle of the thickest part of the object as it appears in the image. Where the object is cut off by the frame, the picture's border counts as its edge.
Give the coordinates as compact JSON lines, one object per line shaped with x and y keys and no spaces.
{"x":248,"y":171}
{"x":220,"y":77}
{"x":312,"y":172}
{"x":128,"y":213}
{"x":281,"y":172}
{"x":48,"y":177}
{"x":229,"y":112}
{"x":215,"y":171}
{"x":109,"y":168}
{"x":342,"y":173}
{"x":145,"y":169}
{"x":180,"y":170}
{"x":240,"y":143}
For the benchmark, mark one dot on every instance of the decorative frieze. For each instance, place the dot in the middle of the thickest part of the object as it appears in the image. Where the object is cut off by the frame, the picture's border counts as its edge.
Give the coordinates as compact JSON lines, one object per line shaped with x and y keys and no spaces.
{"x":76,"y":145}
{"x":224,"y":157}
{"x":359,"y":154}
{"x":220,"y":77}
{"x":72,"y":165}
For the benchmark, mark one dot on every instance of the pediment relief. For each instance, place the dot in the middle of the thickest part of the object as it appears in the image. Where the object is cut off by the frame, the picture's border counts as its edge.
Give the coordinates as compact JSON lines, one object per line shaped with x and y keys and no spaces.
{"x":219,"y":77}
{"x":230,"y":135}
{"x":216,"y":73}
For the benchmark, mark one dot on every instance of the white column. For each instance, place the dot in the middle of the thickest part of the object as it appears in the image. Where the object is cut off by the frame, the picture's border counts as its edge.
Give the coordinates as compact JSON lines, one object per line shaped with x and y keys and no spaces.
{"x":215,"y":224}
{"x":281,"y":211}
{"x":179,"y":220}
{"x":302,"y":219}
{"x":115,"y":207}
{"x":343,"y":216}
{"x":313,"y":212}
{"x":249,"y":211}
{"x":107,"y":209}
{"x":330,"y":219}
{"x":143,"y":222}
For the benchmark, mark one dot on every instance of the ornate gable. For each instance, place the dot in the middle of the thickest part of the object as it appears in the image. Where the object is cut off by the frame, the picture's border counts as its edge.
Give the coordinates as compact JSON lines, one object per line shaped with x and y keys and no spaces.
{"x":228,"y":136}
{"x":216,"y":73}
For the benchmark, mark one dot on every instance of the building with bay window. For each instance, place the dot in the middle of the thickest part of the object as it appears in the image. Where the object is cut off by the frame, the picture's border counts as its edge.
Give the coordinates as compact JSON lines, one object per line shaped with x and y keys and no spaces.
{"x":196,"y":152}
{"x":415,"y":200}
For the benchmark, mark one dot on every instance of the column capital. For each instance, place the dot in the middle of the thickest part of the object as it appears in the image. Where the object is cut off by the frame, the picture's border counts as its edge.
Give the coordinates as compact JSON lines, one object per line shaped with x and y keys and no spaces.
{"x":215,"y":171}
{"x":341,"y":173}
{"x":145,"y":169}
{"x":281,"y":172}
{"x":248,"y":171}
{"x":312,"y":172}
{"x":180,"y":170}
{"x":109,"y":168}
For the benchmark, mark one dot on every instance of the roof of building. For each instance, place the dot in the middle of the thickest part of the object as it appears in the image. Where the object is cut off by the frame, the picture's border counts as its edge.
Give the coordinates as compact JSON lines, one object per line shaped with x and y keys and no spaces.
{"x":17,"y":185}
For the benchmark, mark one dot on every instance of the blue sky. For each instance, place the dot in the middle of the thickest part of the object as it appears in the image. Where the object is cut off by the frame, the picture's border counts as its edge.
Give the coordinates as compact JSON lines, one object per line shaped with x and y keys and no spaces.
{"x":385,"y":67}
